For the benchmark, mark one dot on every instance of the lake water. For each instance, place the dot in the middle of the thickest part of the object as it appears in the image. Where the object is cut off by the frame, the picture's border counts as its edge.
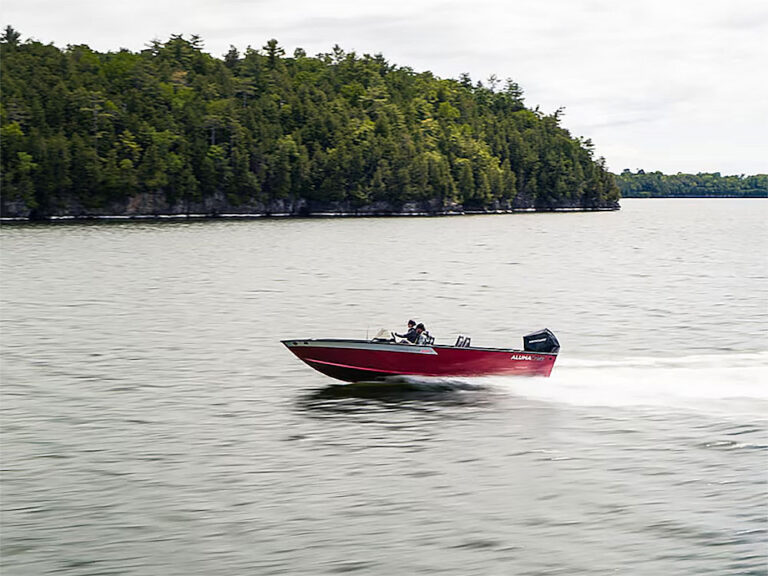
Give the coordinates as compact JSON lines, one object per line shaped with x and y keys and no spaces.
{"x":152,"y":423}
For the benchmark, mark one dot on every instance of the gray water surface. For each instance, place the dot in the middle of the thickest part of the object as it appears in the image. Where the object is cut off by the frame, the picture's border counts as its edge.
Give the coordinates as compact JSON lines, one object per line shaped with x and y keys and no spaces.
{"x":152,"y":423}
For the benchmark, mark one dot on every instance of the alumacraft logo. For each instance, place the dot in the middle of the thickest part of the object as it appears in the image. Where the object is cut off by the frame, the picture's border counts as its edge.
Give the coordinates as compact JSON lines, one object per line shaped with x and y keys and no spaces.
{"x":527,"y":357}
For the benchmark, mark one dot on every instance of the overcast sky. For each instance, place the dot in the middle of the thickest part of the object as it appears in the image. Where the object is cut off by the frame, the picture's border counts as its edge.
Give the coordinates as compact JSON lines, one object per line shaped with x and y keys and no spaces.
{"x":670,"y":85}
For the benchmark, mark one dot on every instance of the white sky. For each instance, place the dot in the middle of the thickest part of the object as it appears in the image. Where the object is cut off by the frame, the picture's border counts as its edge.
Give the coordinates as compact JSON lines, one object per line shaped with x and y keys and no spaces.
{"x":670,"y":85}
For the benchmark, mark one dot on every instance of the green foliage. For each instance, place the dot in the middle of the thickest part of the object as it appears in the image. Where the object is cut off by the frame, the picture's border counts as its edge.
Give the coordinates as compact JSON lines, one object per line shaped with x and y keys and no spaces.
{"x":702,"y":185}
{"x":171,"y":123}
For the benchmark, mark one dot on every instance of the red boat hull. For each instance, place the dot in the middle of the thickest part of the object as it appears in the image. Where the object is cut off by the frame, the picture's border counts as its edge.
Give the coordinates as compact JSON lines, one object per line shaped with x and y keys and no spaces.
{"x":363,"y":361}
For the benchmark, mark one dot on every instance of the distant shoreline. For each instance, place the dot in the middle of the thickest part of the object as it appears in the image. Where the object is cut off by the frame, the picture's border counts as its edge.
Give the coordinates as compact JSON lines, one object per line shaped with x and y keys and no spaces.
{"x":694,"y":197}
{"x":643,"y":184}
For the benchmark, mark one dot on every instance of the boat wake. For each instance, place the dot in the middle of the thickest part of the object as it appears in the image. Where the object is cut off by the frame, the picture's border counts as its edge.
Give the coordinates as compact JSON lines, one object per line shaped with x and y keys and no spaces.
{"x":719,"y":382}
{"x":729,"y":384}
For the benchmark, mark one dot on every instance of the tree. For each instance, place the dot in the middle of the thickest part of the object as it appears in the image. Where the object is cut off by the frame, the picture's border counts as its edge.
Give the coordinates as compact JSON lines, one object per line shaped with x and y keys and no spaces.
{"x":10,"y":37}
{"x":274,"y":53}
{"x":231,"y":58}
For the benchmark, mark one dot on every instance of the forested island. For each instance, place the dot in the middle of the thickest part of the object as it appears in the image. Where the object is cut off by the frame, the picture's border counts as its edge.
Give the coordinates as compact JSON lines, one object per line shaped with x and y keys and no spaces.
{"x":172,"y":130}
{"x":643,"y":184}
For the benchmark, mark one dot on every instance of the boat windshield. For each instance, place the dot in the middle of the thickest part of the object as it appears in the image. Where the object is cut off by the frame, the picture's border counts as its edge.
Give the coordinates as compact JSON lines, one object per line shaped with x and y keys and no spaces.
{"x":383,"y":335}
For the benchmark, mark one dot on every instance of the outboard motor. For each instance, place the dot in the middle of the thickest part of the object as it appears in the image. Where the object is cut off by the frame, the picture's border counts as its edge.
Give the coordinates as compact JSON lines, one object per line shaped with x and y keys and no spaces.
{"x":541,"y":341}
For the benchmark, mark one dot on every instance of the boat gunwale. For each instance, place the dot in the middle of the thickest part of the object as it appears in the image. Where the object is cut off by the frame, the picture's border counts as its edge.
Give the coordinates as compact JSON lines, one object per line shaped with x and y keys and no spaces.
{"x":388,"y":343}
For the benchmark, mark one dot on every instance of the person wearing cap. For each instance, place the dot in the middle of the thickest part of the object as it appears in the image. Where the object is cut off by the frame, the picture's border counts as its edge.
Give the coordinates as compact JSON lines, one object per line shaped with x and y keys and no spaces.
{"x":422,"y":336}
{"x":411,"y":335}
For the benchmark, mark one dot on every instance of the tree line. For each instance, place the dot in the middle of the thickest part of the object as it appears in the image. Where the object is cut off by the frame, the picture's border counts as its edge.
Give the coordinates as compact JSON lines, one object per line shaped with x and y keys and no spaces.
{"x":85,"y":132}
{"x":702,"y":185}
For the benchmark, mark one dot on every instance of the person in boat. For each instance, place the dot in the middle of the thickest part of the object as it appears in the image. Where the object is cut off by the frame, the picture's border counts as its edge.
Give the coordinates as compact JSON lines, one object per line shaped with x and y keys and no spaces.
{"x":422,"y":334}
{"x":411,"y":335}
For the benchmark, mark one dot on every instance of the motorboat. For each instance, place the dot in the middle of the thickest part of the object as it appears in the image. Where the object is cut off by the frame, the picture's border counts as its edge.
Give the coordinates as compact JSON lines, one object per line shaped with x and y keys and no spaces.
{"x":384,"y":357}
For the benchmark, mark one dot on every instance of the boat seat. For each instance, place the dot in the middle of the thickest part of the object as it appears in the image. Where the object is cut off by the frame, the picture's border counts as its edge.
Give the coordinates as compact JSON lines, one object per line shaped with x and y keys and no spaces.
{"x":463,"y":342}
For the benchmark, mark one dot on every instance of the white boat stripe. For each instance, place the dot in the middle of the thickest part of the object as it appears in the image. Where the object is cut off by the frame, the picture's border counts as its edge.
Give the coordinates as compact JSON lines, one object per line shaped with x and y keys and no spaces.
{"x":356,"y":345}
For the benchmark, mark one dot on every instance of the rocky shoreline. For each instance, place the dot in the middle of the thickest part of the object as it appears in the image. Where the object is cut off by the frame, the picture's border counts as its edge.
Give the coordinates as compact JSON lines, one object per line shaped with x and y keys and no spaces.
{"x":183,"y":217}
{"x":147,"y":207}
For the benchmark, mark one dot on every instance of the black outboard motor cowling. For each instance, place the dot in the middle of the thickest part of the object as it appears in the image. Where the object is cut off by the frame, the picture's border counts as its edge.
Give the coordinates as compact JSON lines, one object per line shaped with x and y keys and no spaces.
{"x":541,"y":341}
